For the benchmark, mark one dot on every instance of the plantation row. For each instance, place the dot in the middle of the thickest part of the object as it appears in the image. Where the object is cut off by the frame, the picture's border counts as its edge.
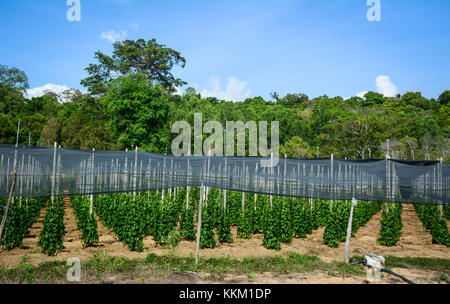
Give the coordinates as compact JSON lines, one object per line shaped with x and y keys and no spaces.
{"x":168,"y":221}
{"x":132,"y":217}
{"x":435,"y":223}
{"x":22,"y":214}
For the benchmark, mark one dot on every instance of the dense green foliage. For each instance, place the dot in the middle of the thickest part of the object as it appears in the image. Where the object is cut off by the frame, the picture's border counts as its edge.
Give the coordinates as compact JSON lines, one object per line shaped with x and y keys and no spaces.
{"x":153,"y":60}
{"x":246,"y":219}
{"x":123,"y":215}
{"x":286,"y":231}
{"x":87,"y":223}
{"x":224,"y":227}
{"x":167,"y":220}
{"x":132,"y":103}
{"x":187,"y":227}
{"x":432,"y":220}
{"x":302,"y":218}
{"x":52,"y":234}
{"x":336,"y":228}
{"x":207,"y":237}
{"x":391,"y":225}
{"x":21,"y":216}
{"x":271,"y":239}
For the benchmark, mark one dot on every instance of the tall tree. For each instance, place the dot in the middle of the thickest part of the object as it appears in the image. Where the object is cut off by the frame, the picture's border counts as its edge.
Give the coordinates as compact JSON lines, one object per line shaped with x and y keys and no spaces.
{"x":7,"y":130}
{"x":153,"y":60}
{"x":296,"y":148}
{"x":13,"y":84}
{"x":444,"y":98}
{"x":138,"y":113}
{"x":51,"y":133}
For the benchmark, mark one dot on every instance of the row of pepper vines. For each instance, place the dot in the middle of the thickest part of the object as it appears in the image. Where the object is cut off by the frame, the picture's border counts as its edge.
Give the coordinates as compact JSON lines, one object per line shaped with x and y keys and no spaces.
{"x":391,"y":225}
{"x":86,"y":221}
{"x":131,"y":217}
{"x":121,"y":214}
{"x":21,"y":216}
{"x":431,"y":218}
{"x":147,"y":214}
{"x":52,"y":234}
{"x":336,"y":228}
{"x":288,"y":217}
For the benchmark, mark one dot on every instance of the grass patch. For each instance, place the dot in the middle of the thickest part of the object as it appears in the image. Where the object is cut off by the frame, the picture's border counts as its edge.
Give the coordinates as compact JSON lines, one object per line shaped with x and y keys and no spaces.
{"x":100,"y":266}
{"x":423,"y":263}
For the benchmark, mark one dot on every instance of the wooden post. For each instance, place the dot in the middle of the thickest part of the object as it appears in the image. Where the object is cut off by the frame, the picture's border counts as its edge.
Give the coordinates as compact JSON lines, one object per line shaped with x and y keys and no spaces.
{"x":349,"y":232}
{"x":5,"y":213}
{"x":10,"y":198}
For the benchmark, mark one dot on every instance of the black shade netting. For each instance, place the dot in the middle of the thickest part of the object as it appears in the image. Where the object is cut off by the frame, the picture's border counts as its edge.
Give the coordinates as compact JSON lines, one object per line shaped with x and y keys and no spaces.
{"x":56,"y":171}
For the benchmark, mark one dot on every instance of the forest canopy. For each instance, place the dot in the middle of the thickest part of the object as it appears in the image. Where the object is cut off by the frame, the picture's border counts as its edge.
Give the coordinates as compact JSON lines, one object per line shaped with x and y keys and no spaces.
{"x":131,"y":101}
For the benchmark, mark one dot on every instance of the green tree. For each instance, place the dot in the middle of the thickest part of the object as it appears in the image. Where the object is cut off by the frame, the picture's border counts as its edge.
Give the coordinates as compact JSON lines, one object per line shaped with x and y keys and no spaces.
{"x":51,"y":133}
{"x":13,"y":84}
{"x":444,"y":98}
{"x":7,"y":130}
{"x":153,"y":60}
{"x":372,"y":98}
{"x":138,"y":113}
{"x":36,"y":124}
{"x":296,"y":148}
{"x":293,"y":99}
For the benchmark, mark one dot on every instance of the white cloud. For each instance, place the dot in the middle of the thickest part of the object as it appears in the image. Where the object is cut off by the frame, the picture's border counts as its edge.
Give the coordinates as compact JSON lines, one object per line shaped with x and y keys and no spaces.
{"x":236,"y":90}
{"x":385,"y":86}
{"x":134,"y":26}
{"x":39,"y":91}
{"x":178,"y":91}
{"x":361,"y":94}
{"x":113,"y":36}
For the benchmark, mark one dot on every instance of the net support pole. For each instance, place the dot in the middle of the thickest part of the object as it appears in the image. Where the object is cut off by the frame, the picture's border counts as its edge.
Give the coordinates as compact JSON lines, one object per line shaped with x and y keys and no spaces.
{"x":199,"y":224}
{"x":21,"y":172}
{"x":135,"y":173}
{"x":243,"y":193}
{"x":91,"y":198}
{"x":225,"y":190}
{"x":5,"y":213}
{"x":349,"y":232}
{"x":441,"y":207}
{"x":256,"y":184}
{"x":188,"y":188}
{"x":271,"y":177}
{"x":53,"y":174}
{"x":331,"y":179}
{"x":11,"y":194}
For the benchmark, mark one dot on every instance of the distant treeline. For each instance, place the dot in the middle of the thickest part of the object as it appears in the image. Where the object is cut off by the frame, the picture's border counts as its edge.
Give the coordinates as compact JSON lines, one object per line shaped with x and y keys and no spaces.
{"x":137,"y":107}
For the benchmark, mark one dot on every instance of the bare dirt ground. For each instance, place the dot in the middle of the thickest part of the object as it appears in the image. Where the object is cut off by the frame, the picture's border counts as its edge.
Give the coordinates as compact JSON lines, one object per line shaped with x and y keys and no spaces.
{"x":147,"y":277}
{"x":415,"y":242}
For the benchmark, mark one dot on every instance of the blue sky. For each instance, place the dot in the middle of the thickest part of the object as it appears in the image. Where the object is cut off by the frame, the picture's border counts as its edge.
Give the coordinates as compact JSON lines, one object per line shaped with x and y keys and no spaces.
{"x":236,"y":49}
